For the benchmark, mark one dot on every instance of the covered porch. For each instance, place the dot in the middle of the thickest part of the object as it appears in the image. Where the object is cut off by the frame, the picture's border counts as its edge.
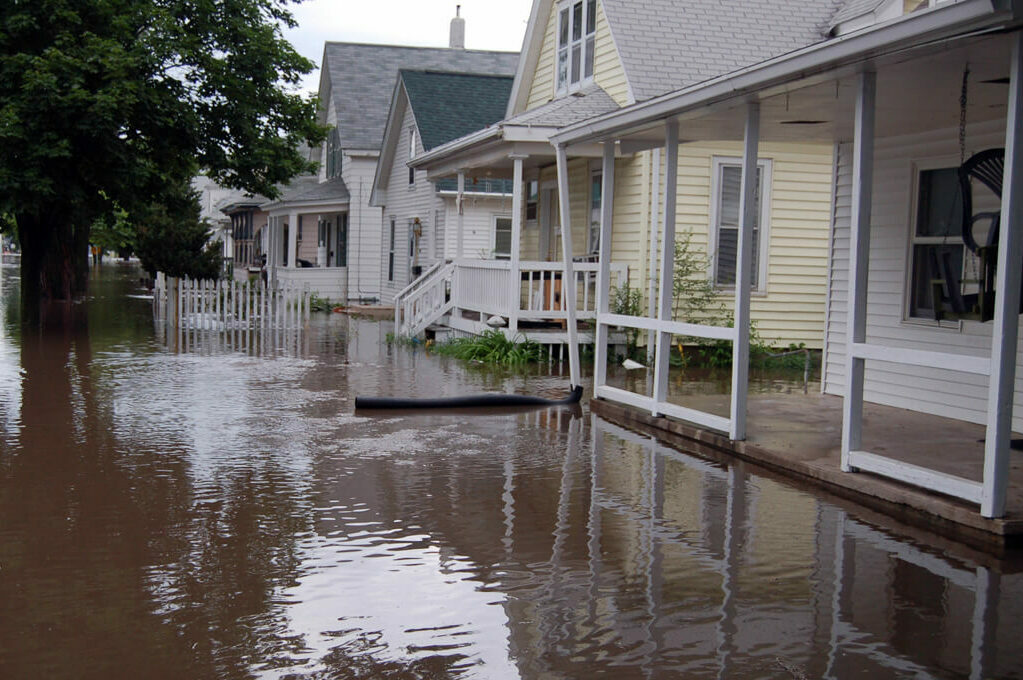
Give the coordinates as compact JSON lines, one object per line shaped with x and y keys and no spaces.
{"x":522,"y":289}
{"x":305,"y":240}
{"x":919,"y":94}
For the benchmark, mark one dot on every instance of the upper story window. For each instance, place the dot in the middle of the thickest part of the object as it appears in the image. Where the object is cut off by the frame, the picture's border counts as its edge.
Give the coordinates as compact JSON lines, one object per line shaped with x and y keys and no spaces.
{"x":333,"y":154}
{"x":411,"y":154}
{"x":577,"y":29}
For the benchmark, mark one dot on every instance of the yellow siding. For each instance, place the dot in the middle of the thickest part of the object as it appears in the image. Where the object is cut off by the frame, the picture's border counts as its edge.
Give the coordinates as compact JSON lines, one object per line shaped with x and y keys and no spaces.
{"x":607,"y":67}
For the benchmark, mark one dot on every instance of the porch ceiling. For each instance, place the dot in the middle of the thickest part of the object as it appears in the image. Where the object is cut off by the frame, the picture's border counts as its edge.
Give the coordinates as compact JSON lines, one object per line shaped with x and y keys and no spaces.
{"x":917,"y":91}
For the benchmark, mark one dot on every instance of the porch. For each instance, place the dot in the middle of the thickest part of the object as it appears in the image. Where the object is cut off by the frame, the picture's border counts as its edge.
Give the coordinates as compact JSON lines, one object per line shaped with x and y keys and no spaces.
{"x":800,"y":436}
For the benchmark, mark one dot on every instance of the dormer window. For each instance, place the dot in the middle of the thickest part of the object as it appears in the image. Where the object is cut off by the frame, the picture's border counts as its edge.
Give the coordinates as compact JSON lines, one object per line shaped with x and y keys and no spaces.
{"x":577,"y":29}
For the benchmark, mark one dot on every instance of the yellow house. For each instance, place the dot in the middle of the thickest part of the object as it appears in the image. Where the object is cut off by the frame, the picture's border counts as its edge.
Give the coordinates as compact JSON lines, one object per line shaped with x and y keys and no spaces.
{"x":585,"y":58}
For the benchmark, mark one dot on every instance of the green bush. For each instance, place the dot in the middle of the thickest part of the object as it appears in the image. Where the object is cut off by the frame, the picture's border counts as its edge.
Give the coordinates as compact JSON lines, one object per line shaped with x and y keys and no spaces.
{"x":491,"y":348}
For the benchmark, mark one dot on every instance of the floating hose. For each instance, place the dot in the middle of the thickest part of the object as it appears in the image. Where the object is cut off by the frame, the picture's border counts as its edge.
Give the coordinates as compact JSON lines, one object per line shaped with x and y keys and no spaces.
{"x":470,"y":401}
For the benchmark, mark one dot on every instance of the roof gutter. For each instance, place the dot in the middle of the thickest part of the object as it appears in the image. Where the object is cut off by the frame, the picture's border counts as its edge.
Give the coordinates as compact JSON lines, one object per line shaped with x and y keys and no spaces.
{"x":914,"y":30}
{"x":452,"y":148}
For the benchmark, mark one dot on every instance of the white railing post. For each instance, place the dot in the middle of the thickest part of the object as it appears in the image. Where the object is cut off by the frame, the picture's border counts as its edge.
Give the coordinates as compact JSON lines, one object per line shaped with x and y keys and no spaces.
{"x":568,"y":276}
{"x":604,"y":263}
{"x":515,"y":289}
{"x":663,"y":352}
{"x":1006,"y":322}
{"x":744,"y":274}
{"x":859,"y":253}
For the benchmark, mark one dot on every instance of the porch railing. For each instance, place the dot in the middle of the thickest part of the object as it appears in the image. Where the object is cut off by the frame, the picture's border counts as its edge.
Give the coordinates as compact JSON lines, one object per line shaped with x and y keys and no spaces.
{"x":424,"y":301}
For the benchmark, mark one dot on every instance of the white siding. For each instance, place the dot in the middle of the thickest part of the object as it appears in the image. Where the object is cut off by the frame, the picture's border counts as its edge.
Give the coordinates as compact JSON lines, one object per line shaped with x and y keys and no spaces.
{"x":940,"y":392}
{"x":478,"y":220}
{"x":363,"y":228}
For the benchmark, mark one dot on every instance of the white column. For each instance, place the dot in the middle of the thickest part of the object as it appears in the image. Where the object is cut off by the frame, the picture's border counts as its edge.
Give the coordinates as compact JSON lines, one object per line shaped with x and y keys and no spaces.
{"x":655,"y":183}
{"x":293,"y":240}
{"x":607,"y":192}
{"x":859,"y":253}
{"x":461,"y":214}
{"x":1006,"y":321}
{"x":568,"y":277}
{"x":667,"y":276}
{"x":744,"y":273}
{"x":515,"y":289}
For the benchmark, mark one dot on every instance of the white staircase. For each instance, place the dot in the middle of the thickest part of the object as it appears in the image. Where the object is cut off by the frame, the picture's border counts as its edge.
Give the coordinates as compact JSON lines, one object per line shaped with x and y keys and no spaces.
{"x":424,"y":301}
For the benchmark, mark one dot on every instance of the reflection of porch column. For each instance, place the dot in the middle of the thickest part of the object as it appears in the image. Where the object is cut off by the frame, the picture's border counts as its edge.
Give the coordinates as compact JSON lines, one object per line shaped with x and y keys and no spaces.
{"x":859,"y":252}
{"x":461,"y":214}
{"x":744,"y":273}
{"x":1006,"y":322}
{"x":607,"y":191}
{"x":568,"y":277}
{"x":663,"y":351}
{"x":292,"y":239}
{"x":515,"y":289}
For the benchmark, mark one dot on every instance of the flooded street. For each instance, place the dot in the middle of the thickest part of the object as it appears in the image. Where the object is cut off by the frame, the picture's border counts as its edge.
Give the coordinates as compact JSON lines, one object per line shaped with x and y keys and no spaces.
{"x":218,"y":511}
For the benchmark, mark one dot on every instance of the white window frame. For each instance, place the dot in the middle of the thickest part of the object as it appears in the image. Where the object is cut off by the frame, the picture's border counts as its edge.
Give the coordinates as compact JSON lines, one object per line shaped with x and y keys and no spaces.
{"x":565,"y":8}
{"x":535,"y":202}
{"x":766,"y":166}
{"x":493,"y":235}
{"x":411,"y":154}
{"x":917,"y":168}
{"x":594,"y":211}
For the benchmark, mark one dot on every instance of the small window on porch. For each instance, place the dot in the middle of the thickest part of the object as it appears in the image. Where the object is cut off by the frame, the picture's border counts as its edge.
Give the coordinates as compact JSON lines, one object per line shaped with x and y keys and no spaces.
{"x":726,"y":192}
{"x":593,"y":236}
{"x":937,"y":252}
{"x":532,"y":199}
{"x":502,"y":238}
{"x":577,"y":29}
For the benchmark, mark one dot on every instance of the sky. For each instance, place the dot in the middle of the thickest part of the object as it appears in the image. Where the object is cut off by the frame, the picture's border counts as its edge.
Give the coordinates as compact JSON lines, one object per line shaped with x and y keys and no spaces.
{"x":489,"y":25}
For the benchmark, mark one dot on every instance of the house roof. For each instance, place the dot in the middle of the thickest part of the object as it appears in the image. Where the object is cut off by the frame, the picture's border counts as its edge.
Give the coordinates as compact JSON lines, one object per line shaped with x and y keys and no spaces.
{"x":308,"y":190}
{"x":361,"y":81}
{"x":586,"y":103}
{"x":666,"y":45}
{"x":447,"y":105}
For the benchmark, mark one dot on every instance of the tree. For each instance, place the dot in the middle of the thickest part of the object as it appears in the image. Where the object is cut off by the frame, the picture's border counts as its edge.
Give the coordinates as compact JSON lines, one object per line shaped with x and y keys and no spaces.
{"x":108,"y":103}
{"x":172,"y":239}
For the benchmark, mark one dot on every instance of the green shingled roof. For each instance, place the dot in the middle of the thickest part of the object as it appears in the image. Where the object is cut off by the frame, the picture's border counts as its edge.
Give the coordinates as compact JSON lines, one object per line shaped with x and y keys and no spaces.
{"x":451,"y":105}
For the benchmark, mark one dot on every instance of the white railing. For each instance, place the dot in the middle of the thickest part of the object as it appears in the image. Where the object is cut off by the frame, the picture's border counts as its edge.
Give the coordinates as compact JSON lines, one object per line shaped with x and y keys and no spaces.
{"x":489,"y":288}
{"x":424,"y":301}
{"x":188,"y":304}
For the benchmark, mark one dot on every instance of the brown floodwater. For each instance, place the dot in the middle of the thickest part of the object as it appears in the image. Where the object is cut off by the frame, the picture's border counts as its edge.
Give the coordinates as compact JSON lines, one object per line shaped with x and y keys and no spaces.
{"x":213,"y":508}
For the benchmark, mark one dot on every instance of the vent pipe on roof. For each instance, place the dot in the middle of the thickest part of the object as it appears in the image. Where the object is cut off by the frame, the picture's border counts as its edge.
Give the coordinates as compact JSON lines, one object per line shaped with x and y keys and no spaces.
{"x":457,"y":40}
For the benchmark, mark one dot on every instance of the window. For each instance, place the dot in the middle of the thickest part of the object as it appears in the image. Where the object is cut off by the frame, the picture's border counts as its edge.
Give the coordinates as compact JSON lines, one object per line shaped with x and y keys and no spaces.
{"x":577,"y":29}
{"x":532,"y":199}
{"x":727,"y":183}
{"x":333,"y":154}
{"x":593,"y":239}
{"x":390,"y":254}
{"x":411,"y":155}
{"x":937,"y":250}
{"x":502,"y":238}
{"x":342,"y":240}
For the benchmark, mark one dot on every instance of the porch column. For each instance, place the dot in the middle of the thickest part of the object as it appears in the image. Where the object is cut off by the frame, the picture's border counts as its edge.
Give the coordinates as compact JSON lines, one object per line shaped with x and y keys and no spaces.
{"x":607,"y":192}
{"x":461,"y":214}
{"x":515,"y":289}
{"x":568,"y":282}
{"x":292,"y":239}
{"x":655,"y":183}
{"x":744,"y":273}
{"x":859,"y":251}
{"x":1006,"y":321}
{"x":663,"y":351}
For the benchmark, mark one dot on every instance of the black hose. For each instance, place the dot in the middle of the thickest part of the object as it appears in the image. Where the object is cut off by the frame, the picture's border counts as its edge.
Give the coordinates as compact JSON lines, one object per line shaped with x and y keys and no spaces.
{"x":470,"y":401}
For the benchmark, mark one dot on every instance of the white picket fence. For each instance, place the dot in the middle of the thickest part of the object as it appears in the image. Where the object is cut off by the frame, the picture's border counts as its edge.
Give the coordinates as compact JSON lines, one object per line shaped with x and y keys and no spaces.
{"x":188,"y":304}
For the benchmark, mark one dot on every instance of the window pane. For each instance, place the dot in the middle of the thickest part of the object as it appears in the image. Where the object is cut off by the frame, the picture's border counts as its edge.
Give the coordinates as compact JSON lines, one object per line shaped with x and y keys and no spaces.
{"x":727,"y":244}
{"x":502,"y":237}
{"x":731,"y":183}
{"x":935,"y":264}
{"x":728,"y":226}
{"x":940,"y":206}
{"x":563,"y":37}
{"x":562,"y":68}
{"x":577,"y":21}
{"x":591,"y":17}
{"x":588,"y":70}
{"x":575,"y":64}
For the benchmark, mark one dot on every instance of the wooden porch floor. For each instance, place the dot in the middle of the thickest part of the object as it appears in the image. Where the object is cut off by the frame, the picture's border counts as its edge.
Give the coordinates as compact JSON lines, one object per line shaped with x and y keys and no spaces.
{"x":799,"y":435}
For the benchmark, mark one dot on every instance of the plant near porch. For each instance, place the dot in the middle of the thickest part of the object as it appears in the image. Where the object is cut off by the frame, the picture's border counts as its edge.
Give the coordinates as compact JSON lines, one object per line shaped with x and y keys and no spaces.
{"x":492,"y":347}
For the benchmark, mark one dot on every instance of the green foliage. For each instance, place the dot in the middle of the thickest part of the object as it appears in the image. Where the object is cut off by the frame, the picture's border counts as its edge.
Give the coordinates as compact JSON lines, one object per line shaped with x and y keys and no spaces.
{"x":694,"y":299}
{"x":492,"y":348}
{"x":113,"y":232}
{"x":318,"y":304}
{"x":171,"y":239}
{"x":105,"y":103}
{"x":628,"y":301}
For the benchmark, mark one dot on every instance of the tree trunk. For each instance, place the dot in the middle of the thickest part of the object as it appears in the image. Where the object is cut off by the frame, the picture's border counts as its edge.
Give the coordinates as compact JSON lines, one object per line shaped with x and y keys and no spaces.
{"x":54,"y":263}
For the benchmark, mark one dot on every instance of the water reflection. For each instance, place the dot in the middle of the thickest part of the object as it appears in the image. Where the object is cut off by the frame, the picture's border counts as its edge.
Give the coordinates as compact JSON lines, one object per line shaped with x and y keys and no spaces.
{"x":211,"y":512}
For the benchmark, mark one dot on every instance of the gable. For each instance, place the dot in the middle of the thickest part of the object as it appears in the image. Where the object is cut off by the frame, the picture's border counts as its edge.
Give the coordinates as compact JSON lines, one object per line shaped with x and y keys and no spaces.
{"x":447,"y":106}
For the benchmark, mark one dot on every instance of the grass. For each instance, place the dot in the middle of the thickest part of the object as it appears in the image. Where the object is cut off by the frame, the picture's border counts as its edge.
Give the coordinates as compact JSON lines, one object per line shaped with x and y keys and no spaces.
{"x":491,"y":348}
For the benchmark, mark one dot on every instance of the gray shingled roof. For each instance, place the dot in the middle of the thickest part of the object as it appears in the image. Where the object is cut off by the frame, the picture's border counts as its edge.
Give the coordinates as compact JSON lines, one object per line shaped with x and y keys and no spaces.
{"x":450,"y":105}
{"x":362,"y":80}
{"x":666,"y":45}
{"x":305,"y":192}
{"x":589,"y":102}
